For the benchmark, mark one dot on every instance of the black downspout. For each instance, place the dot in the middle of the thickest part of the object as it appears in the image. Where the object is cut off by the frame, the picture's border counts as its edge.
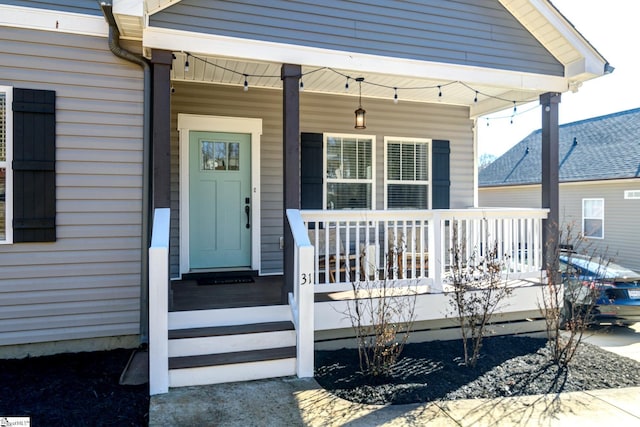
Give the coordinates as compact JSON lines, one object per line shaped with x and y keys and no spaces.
{"x":114,"y":46}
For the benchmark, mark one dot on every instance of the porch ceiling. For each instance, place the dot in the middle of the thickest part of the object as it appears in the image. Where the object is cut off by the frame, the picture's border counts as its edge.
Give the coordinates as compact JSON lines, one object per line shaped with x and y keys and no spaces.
{"x":211,"y":70}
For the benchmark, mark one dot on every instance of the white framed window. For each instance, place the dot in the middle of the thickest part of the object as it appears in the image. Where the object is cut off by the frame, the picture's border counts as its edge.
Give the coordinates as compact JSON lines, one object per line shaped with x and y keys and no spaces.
{"x":6,"y":157}
{"x":407,"y":174}
{"x":348,"y":162}
{"x":632,"y":194}
{"x":593,"y":218}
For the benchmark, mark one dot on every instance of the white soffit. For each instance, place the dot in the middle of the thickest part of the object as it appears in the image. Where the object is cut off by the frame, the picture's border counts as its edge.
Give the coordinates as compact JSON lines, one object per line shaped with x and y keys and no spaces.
{"x":581,"y":60}
{"x":129,"y":15}
{"x":155,"y":6}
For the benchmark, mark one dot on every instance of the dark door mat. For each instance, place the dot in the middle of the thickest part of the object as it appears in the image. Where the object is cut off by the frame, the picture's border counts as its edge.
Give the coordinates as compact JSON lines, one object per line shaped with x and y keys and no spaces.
{"x":225,"y":280}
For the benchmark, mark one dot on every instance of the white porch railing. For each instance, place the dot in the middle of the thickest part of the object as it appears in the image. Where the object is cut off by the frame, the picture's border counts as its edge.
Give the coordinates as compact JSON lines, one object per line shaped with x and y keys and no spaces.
{"x":334,"y":248}
{"x":302,"y":299}
{"x":353,"y":245}
{"x":159,"y":303}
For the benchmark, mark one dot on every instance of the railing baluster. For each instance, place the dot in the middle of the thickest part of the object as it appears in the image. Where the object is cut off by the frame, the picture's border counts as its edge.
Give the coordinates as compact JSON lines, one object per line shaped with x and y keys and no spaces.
{"x":398,"y":244}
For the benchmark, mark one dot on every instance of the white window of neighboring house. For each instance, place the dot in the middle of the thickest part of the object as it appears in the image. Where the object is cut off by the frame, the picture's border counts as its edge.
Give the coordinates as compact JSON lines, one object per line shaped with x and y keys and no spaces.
{"x":593,"y":218}
{"x":349,"y":166}
{"x":6,"y":182}
{"x":632,"y":194}
{"x":407,"y":173}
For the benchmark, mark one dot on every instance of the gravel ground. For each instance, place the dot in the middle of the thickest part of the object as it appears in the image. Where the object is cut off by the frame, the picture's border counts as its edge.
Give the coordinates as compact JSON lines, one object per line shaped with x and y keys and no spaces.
{"x":78,"y":389}
{"x":509,"y":366}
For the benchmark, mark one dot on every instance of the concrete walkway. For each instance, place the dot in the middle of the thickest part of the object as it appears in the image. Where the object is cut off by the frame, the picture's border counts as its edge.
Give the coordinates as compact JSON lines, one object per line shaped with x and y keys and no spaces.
{"x":302,"y":402}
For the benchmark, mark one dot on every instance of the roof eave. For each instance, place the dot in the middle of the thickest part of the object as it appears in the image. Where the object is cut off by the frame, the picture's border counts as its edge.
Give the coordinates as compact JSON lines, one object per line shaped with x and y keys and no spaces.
{"x":547,"y":24}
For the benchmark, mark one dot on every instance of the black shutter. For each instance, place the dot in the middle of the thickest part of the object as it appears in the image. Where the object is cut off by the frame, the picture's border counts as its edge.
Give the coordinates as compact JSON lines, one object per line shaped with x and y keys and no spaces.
{"x":440,"y":175}
{"x":311,"y":170}
{"x":34,"y":160}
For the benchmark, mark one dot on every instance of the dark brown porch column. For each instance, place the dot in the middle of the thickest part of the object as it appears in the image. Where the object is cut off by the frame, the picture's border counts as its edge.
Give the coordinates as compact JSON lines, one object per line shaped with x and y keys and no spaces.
{"x":290,"y":74}
{"x":160,"y":148}
{"x":550,"y":172}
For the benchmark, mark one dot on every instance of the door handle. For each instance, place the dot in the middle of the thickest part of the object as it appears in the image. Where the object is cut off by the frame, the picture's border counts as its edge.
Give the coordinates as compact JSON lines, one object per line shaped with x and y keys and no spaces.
{"x":247,"y":210}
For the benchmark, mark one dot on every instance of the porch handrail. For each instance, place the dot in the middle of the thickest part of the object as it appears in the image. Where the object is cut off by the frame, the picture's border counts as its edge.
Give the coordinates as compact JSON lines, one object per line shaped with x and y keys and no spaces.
{"x":302,"y":299}
{"x":343,"y":238}
{"x":159,"y":302}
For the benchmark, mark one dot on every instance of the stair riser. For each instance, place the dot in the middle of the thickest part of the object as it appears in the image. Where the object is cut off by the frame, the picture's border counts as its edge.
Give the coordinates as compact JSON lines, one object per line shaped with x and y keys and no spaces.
{"x":228,"y":316}
{"x":231,"y":343}
{"x":232,"y":373}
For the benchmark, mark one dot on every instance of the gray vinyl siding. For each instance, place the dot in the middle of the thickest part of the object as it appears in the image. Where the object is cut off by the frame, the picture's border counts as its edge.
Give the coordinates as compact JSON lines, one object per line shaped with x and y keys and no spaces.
{"x":528,"y":196}
{"x":621,"y":219}
{"x":87,"y":7}
{"x":87,"y":283}
{"x":466,"y":32}
{"x":320,"y":114}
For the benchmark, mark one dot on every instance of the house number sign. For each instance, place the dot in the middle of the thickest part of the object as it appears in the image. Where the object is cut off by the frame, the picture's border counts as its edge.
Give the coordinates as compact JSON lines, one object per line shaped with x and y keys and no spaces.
{"x":306,"y":279}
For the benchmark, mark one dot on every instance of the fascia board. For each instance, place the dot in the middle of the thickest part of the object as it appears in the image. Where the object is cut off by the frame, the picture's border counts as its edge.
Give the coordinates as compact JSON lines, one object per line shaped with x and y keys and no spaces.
{"x":593,"y":63}
{"x":129,"y":7}
{"x":53,"y":20}
{"x":245,"y":49}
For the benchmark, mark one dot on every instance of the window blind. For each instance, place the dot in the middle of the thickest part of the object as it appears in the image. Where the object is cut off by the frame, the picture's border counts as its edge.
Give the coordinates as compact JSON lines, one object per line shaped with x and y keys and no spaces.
{"x":407,"y":175}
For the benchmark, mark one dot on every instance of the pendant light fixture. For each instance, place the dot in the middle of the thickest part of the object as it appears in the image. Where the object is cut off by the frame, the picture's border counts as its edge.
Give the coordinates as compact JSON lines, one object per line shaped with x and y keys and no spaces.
{"x":360,"y":112}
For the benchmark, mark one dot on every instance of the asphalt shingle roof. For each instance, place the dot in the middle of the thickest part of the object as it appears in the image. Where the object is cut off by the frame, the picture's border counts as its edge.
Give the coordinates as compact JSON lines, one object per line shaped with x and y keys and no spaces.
{"x":600,"y":148}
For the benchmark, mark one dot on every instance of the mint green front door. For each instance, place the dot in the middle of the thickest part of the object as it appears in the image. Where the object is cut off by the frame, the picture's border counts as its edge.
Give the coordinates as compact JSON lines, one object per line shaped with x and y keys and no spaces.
{"x":219,"y":200}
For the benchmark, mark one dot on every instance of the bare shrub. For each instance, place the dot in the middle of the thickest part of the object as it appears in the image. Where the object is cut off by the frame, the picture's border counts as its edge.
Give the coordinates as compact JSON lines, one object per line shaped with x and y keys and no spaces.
{"x":478,"y":291}
{"x":569,"y":297}
{"x":382,"y":316}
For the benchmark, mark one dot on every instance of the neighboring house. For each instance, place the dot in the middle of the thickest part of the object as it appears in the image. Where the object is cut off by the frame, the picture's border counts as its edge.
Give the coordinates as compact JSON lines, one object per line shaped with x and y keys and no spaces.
{"x":238,"y":119}
{"x":599,"y":169}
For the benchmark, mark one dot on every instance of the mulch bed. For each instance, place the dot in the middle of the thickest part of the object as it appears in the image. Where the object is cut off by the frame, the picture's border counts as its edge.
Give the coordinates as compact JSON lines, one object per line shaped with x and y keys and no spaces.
{"x":509,"y":366}
{"x":82,"y":389}
{"x":78,"y":389}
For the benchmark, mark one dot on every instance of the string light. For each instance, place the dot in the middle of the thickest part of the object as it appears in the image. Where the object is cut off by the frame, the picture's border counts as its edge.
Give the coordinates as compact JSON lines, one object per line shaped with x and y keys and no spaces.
{"x":512,"y":115}
{"x":515,"y":110}
{"x":246,"y":76}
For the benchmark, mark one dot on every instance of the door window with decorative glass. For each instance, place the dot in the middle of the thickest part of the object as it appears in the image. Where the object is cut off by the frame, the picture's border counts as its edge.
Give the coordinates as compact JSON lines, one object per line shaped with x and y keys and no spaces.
{"x":407,"y":173}
{"x":349,"y":161}
{"x":593,"y":218}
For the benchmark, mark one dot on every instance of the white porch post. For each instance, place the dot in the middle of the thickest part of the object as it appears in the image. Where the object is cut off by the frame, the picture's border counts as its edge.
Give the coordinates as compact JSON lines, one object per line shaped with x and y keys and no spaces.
{"x":436,"y":261}
{"x":302,"y":299}
{"x":159,"y":303}
{"x":306,"y":300}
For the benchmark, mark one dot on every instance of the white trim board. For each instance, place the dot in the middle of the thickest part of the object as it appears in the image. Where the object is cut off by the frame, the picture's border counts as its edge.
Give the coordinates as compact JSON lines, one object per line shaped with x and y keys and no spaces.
{"x":255,"y":50}
{"x":193,"y":122}
{"x":53,"y":20}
